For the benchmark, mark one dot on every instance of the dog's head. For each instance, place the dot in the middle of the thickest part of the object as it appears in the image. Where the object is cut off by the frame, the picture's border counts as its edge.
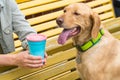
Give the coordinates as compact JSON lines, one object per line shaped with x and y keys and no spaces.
{"x":77,"y":19}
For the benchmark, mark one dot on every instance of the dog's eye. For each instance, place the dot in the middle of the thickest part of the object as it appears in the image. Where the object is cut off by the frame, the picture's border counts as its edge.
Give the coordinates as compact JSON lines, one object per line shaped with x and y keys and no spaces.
{"x":64,"y":11}
{"x":76,"y":13}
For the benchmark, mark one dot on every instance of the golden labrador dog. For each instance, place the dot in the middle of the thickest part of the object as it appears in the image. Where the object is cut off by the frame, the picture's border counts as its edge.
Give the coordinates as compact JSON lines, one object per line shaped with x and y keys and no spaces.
{"x":98,"y":56}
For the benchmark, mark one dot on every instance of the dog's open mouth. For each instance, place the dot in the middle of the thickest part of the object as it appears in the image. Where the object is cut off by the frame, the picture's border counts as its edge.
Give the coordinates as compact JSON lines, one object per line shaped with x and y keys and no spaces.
{"x":67,"y":33}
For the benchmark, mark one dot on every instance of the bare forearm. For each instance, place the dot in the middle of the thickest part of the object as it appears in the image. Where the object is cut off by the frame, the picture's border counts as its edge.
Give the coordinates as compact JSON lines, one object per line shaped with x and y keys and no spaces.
{"x":22,"y":59}
{"x":7,"y":59}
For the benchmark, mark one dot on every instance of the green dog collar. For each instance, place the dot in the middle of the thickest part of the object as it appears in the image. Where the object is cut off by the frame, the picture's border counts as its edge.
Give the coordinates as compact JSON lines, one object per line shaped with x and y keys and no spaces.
{"x":90,"y":43}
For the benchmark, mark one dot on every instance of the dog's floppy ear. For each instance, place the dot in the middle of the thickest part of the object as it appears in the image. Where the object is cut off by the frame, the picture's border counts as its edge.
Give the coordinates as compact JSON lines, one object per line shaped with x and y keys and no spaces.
{"x":96,"y":25}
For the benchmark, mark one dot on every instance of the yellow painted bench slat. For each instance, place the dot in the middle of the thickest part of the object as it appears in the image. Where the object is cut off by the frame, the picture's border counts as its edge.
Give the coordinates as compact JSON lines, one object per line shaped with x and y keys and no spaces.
{"x":21,"y":1}
{"x":34,"y":3}
{"x":103,"y":8}
{"x":106,"y":15}
{"x":71,"y":76}
{"x":117,"y":35}
{"x":63,"y":67}
{"x":107,"y":20}
{"x":98,"y":2}
{"x":44,"y":18}
{"x":113,"y":25}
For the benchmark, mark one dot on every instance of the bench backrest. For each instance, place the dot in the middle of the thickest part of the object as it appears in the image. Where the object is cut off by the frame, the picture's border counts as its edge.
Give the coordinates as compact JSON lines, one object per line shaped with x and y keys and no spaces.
{"x":42,"y":14}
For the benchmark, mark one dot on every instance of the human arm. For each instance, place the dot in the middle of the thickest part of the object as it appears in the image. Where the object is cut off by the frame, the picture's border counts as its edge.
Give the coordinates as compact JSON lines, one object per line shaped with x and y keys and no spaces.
{"x":22,"y":59}
{"x":20,"y":25}
{"x":22,"y":28}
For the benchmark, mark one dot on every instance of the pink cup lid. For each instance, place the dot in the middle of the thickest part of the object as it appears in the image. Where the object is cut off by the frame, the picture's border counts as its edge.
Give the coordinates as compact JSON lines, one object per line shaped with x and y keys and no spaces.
{"x":36,"y":37}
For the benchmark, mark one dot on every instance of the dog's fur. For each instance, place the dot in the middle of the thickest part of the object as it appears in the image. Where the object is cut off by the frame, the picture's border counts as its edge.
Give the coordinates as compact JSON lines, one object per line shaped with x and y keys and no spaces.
{"x":100,"y":62}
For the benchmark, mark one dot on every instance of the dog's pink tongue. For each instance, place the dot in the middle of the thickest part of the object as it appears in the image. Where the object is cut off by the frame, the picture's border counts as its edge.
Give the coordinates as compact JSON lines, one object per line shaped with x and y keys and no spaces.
{"x":64,"y":36}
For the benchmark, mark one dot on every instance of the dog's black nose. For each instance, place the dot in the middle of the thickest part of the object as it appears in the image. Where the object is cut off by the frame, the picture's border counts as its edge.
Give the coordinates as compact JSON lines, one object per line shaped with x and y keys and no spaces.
{"x":59,"y":21}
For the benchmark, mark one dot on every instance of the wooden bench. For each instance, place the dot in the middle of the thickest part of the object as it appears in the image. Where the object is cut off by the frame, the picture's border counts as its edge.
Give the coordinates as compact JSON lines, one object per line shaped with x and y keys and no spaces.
{"x":22,"y":1}
{"x":41,"y":15}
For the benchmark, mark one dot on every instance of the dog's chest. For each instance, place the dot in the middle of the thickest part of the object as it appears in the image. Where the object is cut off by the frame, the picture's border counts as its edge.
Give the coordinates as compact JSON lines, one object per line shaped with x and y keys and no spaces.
{"x":89,"y":71}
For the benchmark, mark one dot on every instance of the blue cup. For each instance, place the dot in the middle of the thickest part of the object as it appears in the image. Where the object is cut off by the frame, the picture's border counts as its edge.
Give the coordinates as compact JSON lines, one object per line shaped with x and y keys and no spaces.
{"x":36,"y":44}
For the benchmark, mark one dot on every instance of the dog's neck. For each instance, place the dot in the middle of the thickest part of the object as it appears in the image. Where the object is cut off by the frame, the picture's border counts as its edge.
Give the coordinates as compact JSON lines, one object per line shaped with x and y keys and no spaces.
{"x":82,"y":38}
{"x":84,"y":42}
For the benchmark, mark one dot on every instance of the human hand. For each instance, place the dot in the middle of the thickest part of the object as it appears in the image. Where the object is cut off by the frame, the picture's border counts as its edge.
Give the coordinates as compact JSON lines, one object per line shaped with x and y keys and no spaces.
{"x":24,"y":59}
